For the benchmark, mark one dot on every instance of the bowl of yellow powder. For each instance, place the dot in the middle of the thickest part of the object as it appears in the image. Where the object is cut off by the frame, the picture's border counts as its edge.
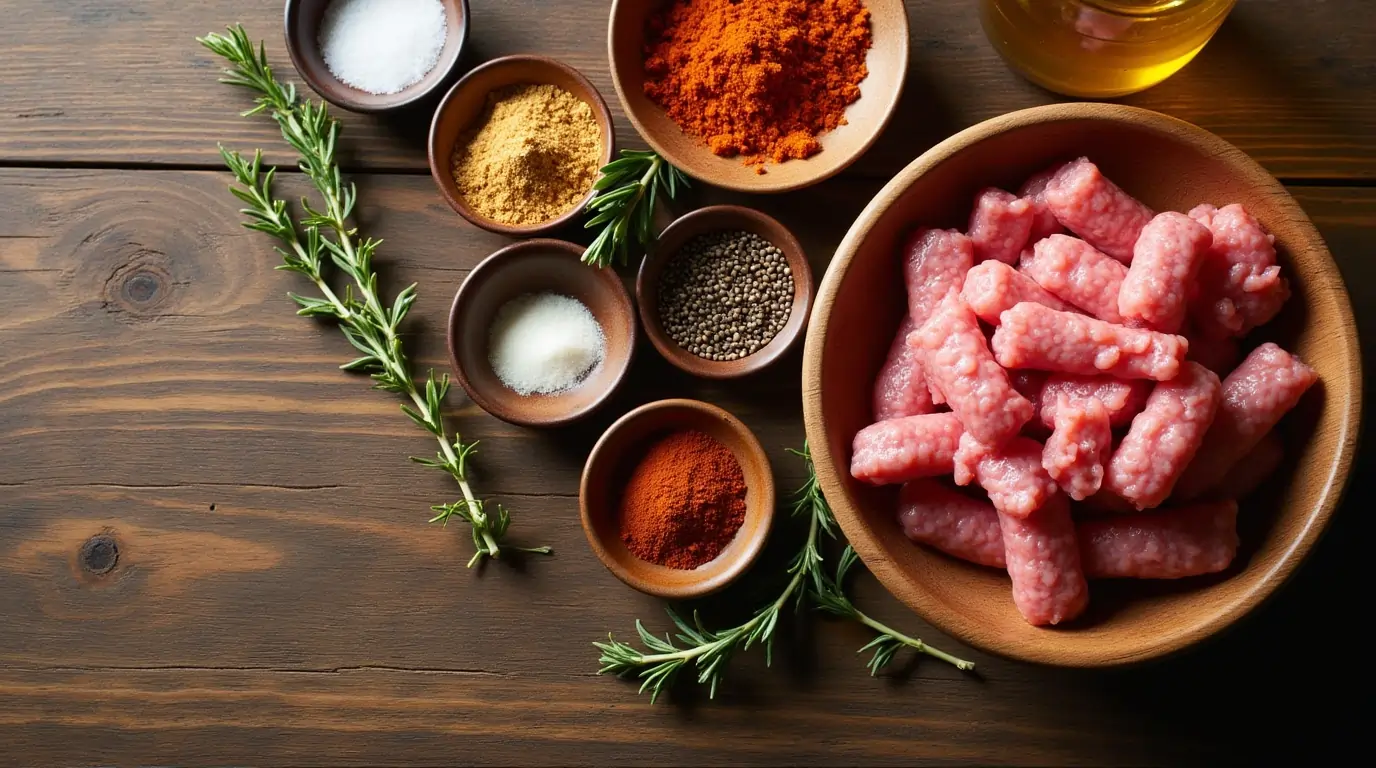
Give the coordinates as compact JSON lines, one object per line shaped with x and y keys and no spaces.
{"x":516,"y":144}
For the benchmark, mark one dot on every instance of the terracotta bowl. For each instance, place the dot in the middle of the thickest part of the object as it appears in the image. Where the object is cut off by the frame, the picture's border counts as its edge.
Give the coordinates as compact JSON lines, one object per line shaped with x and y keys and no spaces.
{"x":302,"y":27}
{"x":611,"y":461}
{"x":716,"y":219}
{"x":538,"y":266}
{"x":1169,"y":165}
{"x":866,"y":118}
{"x":465,"y":103}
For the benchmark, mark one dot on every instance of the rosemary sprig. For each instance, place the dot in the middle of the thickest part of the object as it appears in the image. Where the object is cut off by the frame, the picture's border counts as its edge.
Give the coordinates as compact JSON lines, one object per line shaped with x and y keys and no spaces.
{"x":710,"y":650}
{"x":368,"y":324}
{"x":832,"y":598}
{"x":625,"y":204}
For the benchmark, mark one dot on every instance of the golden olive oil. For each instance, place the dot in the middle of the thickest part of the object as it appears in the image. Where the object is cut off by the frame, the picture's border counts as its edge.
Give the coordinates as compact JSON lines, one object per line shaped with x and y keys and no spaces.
{"x":1100,"y":48}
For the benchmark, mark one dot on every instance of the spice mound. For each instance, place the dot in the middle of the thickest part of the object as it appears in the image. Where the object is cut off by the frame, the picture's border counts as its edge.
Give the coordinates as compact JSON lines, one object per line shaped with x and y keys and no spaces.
{"x":382,"y":46}
{"x":685,"y":501}
{"x":532,"y":156}
{"x":725,"y":295}
{"x":762,"y":78}
{"x":544,"y":343}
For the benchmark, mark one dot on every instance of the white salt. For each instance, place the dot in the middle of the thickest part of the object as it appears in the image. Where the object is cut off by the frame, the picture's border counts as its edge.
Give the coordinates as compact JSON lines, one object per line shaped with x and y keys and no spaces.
{"x":544,"y":343}
{"x":382,"y":46}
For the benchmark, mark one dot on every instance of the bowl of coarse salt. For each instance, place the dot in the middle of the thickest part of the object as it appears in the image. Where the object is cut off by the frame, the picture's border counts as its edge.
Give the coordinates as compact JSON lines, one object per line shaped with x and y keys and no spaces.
{"x":538,"y":339}
{"x":376,"y":55}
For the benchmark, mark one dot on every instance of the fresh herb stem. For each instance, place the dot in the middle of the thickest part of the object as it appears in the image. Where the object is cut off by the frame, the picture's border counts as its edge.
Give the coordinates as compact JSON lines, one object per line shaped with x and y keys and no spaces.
{"x":370,"y":326}
{"x":624,"y":206}
{"x":710,"y":651}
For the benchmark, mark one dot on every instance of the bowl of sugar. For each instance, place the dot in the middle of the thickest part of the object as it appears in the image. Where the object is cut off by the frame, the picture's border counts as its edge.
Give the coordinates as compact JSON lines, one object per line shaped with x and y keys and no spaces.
{"x":376,"y":55}
{"x":537,"y":338}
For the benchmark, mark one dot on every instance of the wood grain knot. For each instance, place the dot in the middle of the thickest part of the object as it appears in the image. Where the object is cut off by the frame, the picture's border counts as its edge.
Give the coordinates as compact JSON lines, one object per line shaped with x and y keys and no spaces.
{"x":99,"y":554}
{"x":142,"y":287}
{"x":139,"y":289}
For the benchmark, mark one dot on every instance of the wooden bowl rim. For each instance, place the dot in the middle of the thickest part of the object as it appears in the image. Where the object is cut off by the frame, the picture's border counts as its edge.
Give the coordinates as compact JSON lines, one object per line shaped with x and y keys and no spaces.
{"x":701,"y":221}
{"x":761,"y":184}
{"x":500,"y":259}
{"x":291,"y":17}
{"x":440,"y":158}
{"x":1094,"y":653}
{"x":741,"y":559}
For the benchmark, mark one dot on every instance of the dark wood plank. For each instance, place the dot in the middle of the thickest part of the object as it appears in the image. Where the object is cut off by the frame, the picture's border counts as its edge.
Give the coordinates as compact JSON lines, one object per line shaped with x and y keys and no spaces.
{"x":122,"y":82}
{"x":279,"y":599}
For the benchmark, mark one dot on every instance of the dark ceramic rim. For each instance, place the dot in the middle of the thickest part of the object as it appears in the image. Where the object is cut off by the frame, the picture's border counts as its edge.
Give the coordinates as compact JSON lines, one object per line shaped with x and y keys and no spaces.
{"x":290,"y":20}
{"x":787,"y":339}
{"x":439,"y":157}
{"x":496,"y":261}
{"x":741,"y":561}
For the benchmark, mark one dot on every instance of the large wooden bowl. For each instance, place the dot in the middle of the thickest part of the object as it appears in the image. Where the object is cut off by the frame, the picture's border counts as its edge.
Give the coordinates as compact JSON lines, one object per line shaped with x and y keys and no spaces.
{"x":866,"y":118}
{"x":1168,"y":164}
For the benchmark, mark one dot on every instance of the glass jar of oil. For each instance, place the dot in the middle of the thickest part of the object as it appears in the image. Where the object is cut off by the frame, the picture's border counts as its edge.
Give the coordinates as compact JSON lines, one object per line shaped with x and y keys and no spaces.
{"x":1100,"y":48}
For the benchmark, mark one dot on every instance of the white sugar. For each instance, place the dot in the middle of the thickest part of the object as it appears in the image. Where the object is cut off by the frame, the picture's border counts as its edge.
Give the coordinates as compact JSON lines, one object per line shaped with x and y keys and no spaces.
{"x":382,"y":46}
{"x":544,"y":343}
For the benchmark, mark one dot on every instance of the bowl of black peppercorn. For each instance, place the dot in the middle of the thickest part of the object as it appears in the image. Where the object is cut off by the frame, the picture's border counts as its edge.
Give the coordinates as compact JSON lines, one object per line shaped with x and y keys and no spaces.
{"x":725,"y":292}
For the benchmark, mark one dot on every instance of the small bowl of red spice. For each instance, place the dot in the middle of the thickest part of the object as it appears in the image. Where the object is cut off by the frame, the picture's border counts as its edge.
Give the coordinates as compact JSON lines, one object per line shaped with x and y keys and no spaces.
{"x":761,"y":96}
{"x":677,"y":498}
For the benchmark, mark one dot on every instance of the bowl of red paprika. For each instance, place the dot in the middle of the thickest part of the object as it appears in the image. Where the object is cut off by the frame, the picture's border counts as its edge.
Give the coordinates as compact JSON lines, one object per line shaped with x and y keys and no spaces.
{"x":677,"y":498}
{"x":766,"y":96}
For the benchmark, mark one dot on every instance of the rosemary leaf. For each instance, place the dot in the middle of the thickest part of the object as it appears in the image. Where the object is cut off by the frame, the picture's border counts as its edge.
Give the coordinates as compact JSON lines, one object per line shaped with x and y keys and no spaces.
{"x":628,"y":190}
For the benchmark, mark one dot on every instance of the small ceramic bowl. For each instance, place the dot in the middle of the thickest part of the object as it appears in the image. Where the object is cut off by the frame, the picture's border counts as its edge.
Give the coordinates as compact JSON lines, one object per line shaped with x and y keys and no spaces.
{"x":465,"y":103}
{"x":611,"y":461}
{"x":865,"y":119}
{"x":302,"y":27}
{"x":719,"y":218}
{"x":538,"y":266}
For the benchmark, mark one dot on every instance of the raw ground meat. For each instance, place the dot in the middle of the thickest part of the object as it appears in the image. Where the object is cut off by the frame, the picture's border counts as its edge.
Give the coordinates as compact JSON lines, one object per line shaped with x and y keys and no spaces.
{"x":1044,"y":564}
{"x":899,"y":450}
{"x":935,"y":262}
{"x":999,"y":225}
{"x":1075,"y":454}
{"x":1032,"y":336}
{"x":1011,"y":474}
{"x":1164,"y":437}
{"x":954,"y":523}
{"x":1077,"y":273}
{"x":1043,"y":220}
{"x":900,"y":389}
{"x":1251,"y":471}
{"x":1165,"y":261}
{"x":1168,"y":544}
{"x":1094,"y":208}
{"x":958,"y":363}
{"x":1255,"y":396}
{"x":1121,"y":398}
{"x":1240,"y":286}
{"x":992,"y":287}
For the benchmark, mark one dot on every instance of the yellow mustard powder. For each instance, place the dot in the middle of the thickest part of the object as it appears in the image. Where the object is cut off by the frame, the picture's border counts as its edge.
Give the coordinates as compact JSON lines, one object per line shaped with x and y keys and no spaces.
{"x":532,"y":157}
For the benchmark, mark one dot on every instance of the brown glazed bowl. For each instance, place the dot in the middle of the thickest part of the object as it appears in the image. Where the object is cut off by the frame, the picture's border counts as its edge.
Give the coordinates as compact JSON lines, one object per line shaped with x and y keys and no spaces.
{"x":606,"y":472}
{"x":1169,"y":165}
{"x":715,"y":219}
{"x":865,"y":119}
{"x":465,"y":103}
{"x":537,"y":266}
{"x":301,"y":21}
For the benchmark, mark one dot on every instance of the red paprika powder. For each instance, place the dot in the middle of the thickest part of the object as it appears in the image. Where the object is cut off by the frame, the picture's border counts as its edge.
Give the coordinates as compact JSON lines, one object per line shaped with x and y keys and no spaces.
{"x":760,"y":78}
{"x":684,"y":501}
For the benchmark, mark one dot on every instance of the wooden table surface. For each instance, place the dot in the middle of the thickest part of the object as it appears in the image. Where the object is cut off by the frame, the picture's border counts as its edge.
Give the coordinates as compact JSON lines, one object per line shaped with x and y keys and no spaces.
{"x":278,"y":596}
